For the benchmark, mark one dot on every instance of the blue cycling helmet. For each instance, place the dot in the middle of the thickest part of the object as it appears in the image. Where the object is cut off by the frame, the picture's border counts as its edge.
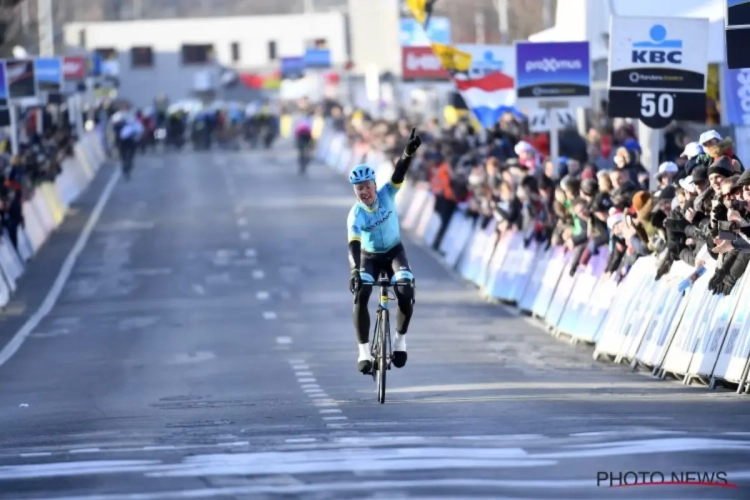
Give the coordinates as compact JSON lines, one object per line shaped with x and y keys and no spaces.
{"x":361,"y":173}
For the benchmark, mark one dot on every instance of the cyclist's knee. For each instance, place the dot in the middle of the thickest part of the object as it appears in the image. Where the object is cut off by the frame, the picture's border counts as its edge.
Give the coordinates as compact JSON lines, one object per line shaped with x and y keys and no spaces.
{"x":404,"y":281}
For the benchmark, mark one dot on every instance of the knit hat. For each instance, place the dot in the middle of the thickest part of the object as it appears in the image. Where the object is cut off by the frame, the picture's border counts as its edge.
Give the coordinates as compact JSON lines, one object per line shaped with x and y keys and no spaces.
{"x":722,"y":166}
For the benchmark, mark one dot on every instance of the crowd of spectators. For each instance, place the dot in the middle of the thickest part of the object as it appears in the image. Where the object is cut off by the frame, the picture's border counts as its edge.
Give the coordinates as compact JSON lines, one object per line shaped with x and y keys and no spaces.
{"x":599,"y":197}
{"x":39,"y":159}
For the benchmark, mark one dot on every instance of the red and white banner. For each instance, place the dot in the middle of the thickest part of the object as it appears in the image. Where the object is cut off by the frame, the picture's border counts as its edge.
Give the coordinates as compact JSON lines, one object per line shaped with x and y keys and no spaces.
{"x":75,"y":68}
{"x":420,"y":63}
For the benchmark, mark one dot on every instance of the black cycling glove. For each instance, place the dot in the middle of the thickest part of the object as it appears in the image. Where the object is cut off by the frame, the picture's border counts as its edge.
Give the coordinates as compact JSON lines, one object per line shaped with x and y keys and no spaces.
{"x":414,"y":142}
{"x":355,"y":282}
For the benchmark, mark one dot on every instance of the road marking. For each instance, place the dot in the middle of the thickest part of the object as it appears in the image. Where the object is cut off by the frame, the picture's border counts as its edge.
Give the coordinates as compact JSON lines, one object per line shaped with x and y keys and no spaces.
{"x":244,"y":235}
{"x":300,"y":366}
{"x":250,"y":253}
{"x":199,"y":289}
{"x":330,"y":410}
{"x":159,"y":448}
{"x":65,"y":270}
{"x":269,"y":315}
{"x":334,"y":418}
{"x":262,"y":295}
{"x":86,"y":450}
{"x":304,"y":374}
{"x":314,"y":391}
{"x":283,"y":340}
{"x":320,"y":396}
{"x":304,"y":380}
{"x":242,"y":221}
{"x":37,"y":454}
{"x":185,"y":358}
{"x":258,"y":274}
{"x":300,"y":440}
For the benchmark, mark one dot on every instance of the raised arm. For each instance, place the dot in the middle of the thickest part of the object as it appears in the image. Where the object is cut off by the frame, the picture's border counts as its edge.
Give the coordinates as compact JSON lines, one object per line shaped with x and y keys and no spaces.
{"x":403,"y":163}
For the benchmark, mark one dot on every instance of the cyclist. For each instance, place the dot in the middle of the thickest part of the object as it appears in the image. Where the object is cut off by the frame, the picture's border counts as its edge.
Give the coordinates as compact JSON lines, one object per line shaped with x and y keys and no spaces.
{"x":374,"y":247}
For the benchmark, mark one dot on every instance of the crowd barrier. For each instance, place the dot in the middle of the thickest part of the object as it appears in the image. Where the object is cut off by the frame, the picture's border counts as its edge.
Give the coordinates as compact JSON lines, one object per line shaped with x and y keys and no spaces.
{"x":662,"y":326}
{"x":44,"y":210}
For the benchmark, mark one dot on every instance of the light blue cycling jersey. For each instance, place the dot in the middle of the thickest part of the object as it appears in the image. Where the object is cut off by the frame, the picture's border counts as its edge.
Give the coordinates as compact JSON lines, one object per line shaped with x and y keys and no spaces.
{"x":378,"y":230}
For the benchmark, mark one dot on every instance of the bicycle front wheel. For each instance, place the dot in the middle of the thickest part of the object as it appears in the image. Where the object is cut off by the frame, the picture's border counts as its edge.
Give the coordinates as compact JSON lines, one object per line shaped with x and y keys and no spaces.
{"x":382,"y":360}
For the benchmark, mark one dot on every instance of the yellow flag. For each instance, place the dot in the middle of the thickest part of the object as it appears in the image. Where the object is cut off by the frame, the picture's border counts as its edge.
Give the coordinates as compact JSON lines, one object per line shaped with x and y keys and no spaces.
{"x":451,"y":58}
{"x":418,"y":8}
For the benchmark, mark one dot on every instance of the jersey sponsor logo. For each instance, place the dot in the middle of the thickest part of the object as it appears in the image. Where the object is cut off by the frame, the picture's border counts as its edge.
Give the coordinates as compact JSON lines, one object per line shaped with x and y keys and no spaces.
{"x":355,"y":229}
{"x":379,"y":222}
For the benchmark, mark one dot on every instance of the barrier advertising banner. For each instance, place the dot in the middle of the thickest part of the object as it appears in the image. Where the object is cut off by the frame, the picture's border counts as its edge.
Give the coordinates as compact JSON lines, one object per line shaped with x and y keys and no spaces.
{"x":21,"y":78}
{"x":736,"y":93}
{"x":553,"y":71}
{"x":49,"y":74}
{"x":658,"y":69}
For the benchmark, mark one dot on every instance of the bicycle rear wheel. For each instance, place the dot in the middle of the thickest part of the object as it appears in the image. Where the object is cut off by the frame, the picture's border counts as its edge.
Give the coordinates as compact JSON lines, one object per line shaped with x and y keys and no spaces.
{"x":381,"y":360}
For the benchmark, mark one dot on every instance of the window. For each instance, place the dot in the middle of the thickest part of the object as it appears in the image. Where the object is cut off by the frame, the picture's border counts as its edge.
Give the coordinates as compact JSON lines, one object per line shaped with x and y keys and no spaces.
{"x":82,"y":38}
{"x":235,"y":52}
{"x":141,"y":57}
{"x":271,"y":50}
{"x":318,"y":43}
{"x":197,"y":54}
{"x":106,"y":53}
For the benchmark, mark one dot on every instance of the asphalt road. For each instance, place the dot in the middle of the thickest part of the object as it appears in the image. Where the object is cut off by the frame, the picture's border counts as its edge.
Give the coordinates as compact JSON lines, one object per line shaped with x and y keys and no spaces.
{"x":202,"y":346}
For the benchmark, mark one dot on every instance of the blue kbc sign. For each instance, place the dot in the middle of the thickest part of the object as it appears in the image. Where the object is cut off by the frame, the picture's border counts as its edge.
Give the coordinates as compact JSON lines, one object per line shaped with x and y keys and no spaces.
{"x":658,"y":50}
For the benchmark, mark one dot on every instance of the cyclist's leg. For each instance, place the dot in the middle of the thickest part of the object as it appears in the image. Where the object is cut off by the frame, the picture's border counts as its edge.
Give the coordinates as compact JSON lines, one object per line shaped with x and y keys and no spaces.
{"x":368,"y":271}
{"x":404,"y":289}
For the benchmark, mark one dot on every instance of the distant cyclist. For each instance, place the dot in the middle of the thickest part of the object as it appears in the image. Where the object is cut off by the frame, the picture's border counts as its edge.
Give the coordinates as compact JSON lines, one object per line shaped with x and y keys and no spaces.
{"x":374,"y":247}
{"x":303,"y":135}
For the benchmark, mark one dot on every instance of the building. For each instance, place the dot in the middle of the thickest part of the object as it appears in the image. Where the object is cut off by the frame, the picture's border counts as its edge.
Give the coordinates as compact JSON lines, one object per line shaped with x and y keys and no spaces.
{"x":171,"y":56}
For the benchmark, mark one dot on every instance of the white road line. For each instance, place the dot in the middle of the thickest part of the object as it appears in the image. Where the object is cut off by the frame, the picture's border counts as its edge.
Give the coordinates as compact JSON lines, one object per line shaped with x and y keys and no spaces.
{"x":86,"y":450}
{"x":322,"y":395}
{"x":242,"y":221}
{"x":244,"y":235}
{"x":37,"y":454}
{"x":304,"y":374}
{"x":269,"y":315}
{"x":338,"y":417}
{"x":310,"y":386}
{"x":159,"y":448}
{"x":262,"y":295}
{"x":283,"y":340}
{"x":300,"y":367}
{"x":314,"y":391}
{"x":300,"y":440}
{"x":250,"y":252}
{"x":65,"y":271}
{"x":304,"y":380}
{"x":327,"y":402}
{"x":258,"y":274}
{"x":199,"y":289}
{"x":330,"y":410}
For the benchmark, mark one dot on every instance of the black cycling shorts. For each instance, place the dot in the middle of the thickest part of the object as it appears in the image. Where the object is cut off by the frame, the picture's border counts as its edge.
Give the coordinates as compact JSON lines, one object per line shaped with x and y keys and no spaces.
{"x":393,"y":263}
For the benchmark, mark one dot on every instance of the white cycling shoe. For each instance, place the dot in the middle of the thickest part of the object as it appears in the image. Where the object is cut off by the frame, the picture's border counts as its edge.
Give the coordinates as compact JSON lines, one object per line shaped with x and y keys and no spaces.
{"x":399,"y":350}
{"x":365,"y":361}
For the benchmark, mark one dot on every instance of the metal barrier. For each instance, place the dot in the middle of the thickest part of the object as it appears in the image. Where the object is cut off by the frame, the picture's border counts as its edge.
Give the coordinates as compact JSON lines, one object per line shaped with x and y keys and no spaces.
{"x":45,"y":210}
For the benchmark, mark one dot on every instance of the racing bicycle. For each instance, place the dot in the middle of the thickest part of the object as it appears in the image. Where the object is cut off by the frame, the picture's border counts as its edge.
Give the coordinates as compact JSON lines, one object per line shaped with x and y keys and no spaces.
{"x":381,"y":348}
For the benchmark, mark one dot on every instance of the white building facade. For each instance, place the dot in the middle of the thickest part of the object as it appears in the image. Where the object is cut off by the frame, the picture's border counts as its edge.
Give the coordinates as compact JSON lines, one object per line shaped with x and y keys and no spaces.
{"x":173,"y":56}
